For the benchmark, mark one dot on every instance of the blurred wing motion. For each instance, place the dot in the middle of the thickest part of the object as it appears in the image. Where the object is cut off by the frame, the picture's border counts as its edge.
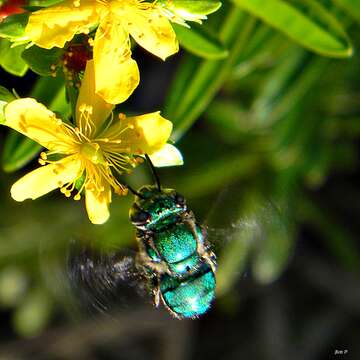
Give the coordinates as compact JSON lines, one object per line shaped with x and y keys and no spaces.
{"x":244,"y":232}
{"x":103,"y":281}
{"x":248,"y":232}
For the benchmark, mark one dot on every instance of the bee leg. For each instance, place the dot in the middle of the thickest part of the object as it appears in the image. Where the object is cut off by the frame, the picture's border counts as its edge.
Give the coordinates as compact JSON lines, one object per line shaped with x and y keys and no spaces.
{"x":157,"y":267}
{"x":210,"y":258}
{"x":146,"y":262}
{"x":142,"y":249}
{"x":156,"y":293}
{"x":154,"y":288}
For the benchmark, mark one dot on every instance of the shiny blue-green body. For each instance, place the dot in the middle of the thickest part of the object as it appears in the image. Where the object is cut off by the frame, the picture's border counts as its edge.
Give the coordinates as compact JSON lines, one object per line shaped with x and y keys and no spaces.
{"x":173,"y":247}
{"x":190,"y":296}
{"x":177,"y":246}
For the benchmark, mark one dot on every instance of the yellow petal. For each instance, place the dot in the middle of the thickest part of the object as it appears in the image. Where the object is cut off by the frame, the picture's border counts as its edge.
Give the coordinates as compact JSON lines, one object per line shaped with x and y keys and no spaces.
{"x":168,"y":155}
{"x":116,"y":73}
{"x":56,"y":25}
{"x":45,"y":179}
{"x":97,"y":206}
{"x":144,"y":134}
{"x":34,"y":120}
{"x":151,"y":30}
{"x":100,"y":109}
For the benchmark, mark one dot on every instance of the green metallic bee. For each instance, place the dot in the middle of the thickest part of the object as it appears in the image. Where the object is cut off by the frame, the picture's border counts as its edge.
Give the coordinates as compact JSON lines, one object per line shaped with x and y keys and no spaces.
{"x":174,"y":260}
{"x":174,"y":248}
{"x":174,"y":265}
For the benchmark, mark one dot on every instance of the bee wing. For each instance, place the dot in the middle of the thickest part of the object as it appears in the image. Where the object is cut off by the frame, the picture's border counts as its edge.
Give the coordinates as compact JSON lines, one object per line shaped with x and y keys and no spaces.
{"x":102,"y":281}
{"x":240,"y":217}
{"x":225,"y":223}
{"x":252,"y":227}
{"x":256,"y":236}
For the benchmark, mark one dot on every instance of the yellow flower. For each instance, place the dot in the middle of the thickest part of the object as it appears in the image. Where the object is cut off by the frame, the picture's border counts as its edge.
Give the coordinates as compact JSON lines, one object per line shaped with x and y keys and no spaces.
{"x":117,"y":74}
{"x":95,"y":151}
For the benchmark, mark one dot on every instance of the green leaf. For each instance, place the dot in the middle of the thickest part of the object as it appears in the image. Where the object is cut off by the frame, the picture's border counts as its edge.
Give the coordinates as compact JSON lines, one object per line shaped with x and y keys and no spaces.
{"x":306,"y":22}
{"x":41,"y":60}
{"x":52,"y":93}
{"x":276,"y":86}
{"x":181,"y":11}
{"x":286,"y":96}
{"x":10,"y":58}
{"x":188,"y":66}
{"x":200,"y":42}
{"x":13,"y":27}
{"x":18,"y":151}
{"x":229,"y":119}
{"x":71,"y":95}
{"x":351,"y":6}
{"x":208,"y":76}
{"x":5,"y":97}
{"x":60,"y":105}
{"x":193,"y":7}
{"x":265,"y":47}
{"x":44,"y":3}
{"x":46,"y":90}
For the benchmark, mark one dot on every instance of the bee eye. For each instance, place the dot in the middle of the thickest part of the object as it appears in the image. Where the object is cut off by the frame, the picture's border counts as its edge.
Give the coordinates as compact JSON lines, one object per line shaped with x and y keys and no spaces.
{"x":180,"y":200}
{"x":138,"y":216}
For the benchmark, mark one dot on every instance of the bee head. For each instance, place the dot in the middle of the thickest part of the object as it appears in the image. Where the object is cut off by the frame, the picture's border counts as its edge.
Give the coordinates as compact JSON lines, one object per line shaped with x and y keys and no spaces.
{"x":153,"y":208}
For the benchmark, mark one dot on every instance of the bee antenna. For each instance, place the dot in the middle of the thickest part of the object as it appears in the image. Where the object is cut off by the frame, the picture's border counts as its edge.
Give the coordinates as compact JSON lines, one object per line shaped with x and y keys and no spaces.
{"x":156,"y":177}
{"x":133,"y":191}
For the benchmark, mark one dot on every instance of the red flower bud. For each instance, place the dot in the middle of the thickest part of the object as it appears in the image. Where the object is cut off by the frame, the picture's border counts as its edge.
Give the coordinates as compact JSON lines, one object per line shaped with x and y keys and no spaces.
{"x":76,"y":57}
{"x":11,"y":7}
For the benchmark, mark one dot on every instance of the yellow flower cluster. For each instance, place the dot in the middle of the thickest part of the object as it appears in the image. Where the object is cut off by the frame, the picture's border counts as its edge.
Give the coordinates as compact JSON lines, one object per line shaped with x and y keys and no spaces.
{"x":94,"y":151}
{"x":88,"y":157}
{"x":116,"y":73}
